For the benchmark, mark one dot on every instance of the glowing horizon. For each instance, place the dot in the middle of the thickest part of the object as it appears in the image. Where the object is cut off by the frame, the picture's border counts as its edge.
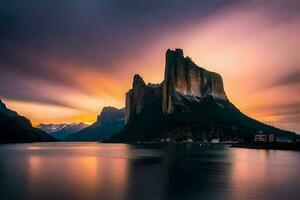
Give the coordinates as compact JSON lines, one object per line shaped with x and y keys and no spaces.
{"x":71,"y":73}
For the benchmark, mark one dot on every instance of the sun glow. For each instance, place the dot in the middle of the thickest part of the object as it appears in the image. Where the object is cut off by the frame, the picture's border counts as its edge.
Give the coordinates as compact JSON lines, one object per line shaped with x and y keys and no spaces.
{"x":250,"y":59}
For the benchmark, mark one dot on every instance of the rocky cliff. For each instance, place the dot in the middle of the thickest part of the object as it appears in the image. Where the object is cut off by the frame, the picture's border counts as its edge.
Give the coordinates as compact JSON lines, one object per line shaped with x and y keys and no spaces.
{"x":189,"y":103}
{"x":141,"y":97}
{"x":184,"y":80}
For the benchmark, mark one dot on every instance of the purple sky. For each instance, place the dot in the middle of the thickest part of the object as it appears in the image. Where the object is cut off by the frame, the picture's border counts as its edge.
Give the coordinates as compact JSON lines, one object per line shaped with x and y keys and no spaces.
{"x":62,"y":61}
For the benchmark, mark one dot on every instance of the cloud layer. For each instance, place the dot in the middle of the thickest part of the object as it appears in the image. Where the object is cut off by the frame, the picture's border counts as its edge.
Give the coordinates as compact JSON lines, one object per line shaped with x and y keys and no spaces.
{"x":79,"y":56}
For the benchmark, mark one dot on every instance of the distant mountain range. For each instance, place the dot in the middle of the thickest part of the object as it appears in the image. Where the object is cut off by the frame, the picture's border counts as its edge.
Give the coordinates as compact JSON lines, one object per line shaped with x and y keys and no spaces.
{"x":61,"y":131}
{"x":16,"y":128}
{"x":110,"y":121}
{"x":189,"y":103}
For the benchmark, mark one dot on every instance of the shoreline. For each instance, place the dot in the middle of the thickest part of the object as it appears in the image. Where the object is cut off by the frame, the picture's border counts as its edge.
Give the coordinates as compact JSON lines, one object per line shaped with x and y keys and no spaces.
{"x":295,"y":146}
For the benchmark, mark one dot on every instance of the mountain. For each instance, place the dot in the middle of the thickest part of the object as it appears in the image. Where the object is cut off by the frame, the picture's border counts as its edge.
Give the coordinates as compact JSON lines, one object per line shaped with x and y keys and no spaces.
{"x":189,"y":103}
{"x":110,"y":121}
{"x":184,"y":80}
{"x":16,"y":128}
{"x":4,"y":110}
{"x":61,"y":131}
{"x":51,"y":128}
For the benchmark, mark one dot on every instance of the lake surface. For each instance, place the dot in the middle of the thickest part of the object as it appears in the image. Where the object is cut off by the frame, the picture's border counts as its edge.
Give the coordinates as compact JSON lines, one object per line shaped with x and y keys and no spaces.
{"x":119,"y":171}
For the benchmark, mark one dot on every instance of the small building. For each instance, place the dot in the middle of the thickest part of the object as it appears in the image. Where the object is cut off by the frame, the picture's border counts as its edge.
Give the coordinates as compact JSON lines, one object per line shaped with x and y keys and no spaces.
{"x":260,"y":138}
{"x":271,"y":138}
{"x":215,"y":140}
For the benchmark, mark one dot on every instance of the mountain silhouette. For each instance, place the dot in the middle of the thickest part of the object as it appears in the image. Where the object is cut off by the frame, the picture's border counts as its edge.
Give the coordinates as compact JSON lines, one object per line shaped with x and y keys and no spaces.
{"x":16,"y":128}
{"x":189,"y":103}
{"x":110,"y":121}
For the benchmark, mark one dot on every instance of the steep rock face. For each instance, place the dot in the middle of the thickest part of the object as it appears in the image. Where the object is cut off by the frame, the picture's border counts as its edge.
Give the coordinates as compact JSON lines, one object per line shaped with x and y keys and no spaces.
{"x":184,"y":79}
{"x":140,"y":97}
{"x":184,"y":82}
{"x":189,"y":103}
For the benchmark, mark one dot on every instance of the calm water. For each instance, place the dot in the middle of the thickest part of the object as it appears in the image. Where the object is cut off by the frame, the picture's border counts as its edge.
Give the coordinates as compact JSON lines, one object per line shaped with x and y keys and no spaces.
{"x":118,"y":171}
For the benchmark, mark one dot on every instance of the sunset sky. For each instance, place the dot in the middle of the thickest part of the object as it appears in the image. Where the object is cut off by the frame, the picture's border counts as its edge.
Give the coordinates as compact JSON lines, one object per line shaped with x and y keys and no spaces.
{"x":62,"y":61}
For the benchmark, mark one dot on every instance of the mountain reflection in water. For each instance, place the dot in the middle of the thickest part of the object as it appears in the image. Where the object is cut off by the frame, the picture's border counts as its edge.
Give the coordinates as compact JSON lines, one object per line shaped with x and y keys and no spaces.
{"x":120,"y":171}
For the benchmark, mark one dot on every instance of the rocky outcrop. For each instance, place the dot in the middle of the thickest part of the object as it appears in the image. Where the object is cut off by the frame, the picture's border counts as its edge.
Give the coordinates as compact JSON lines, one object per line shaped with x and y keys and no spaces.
{"x":16,"y":128}
{"x":140,"y":97}
{"x":190,"y":103}
{"x":185,"y":80}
